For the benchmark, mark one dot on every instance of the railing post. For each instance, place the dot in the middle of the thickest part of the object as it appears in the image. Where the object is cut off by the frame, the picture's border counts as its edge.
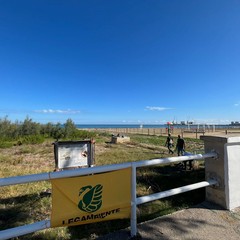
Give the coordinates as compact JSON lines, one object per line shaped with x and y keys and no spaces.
{"x":133,"y":203}
{"x":226,"y":170}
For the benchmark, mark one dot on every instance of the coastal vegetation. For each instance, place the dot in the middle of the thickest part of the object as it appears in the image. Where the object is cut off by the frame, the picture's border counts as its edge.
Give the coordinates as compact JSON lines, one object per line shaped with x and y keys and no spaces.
{"x":26,"y":148}
{"x":30,"y":132}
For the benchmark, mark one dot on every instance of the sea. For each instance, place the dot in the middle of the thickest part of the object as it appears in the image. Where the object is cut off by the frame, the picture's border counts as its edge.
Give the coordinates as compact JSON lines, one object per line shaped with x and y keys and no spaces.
{"x":86,"y":126}
{"x":105,"y":126}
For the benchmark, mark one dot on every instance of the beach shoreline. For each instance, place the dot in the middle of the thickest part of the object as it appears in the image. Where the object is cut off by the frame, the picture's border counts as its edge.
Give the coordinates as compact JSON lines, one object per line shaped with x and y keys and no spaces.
{"x":186,"y":133}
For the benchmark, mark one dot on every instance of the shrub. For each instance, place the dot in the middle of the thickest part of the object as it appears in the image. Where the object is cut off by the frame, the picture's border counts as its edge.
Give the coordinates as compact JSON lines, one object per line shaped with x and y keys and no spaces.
{"x":31,"y":139}
{"x":6,"y":144}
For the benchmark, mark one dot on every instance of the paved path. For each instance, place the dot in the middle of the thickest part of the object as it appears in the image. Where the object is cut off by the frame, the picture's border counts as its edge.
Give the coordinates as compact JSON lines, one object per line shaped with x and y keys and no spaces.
{"x":202,"y":222}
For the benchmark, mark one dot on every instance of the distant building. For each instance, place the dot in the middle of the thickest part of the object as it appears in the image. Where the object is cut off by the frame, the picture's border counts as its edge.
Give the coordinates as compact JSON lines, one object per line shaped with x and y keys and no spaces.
{"x":236,"y":123}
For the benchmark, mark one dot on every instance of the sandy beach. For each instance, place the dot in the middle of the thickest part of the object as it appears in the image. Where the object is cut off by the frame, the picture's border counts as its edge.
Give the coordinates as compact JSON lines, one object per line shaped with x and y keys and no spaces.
{"x":191,"y":133}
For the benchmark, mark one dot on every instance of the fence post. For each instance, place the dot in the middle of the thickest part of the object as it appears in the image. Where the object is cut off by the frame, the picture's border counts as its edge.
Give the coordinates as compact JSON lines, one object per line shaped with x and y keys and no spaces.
{"x":133,"y":203}
{"x":226,"y":170}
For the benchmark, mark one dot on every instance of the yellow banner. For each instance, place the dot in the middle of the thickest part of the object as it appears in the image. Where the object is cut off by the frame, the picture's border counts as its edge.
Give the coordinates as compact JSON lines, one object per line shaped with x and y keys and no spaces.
{"x":93,"y":198}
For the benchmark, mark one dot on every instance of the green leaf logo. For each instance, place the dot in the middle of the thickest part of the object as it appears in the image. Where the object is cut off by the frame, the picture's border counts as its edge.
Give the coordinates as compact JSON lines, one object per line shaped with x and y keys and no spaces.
{"x":91,"y":198}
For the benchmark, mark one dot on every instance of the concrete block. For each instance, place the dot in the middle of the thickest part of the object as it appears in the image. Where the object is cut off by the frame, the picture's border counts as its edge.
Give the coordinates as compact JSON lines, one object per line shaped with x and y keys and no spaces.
{"x":120,"y":139}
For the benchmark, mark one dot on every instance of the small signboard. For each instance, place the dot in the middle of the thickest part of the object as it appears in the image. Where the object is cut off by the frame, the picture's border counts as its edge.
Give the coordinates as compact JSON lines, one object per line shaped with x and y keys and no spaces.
{"x":71,"y":154}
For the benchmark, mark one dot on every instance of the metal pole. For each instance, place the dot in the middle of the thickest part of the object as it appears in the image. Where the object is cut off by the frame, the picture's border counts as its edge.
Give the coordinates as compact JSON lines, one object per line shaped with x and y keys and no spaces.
{"x":175,"y":159}
{"x":22,"y":230}
{"x":133,"y":203}
{"x":175,"y":191}
{"x":61,"y":174}
{"x":98,"y":169}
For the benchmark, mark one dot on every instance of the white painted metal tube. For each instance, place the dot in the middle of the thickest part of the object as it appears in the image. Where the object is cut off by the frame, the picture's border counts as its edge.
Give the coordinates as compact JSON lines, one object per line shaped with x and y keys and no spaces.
{"x":61,"y":174}
{"x":22,"y":230}
{"x":98,"y":169}
{"x":175,"y":191}
{"x":175,"y":159}
{"x":133,"y":203}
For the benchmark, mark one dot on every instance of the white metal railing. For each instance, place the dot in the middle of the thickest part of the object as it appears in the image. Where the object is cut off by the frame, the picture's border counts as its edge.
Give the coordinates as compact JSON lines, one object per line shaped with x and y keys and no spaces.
{"x":22,"y":230}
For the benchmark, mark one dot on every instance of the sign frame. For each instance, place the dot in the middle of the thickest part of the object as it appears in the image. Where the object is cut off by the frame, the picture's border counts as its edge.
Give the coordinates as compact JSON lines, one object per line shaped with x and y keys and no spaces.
{"x":74,"y":154}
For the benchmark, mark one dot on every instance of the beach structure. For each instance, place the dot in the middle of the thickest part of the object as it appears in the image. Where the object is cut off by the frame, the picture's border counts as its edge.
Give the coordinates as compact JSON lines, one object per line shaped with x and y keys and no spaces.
{"x":120,"y":139}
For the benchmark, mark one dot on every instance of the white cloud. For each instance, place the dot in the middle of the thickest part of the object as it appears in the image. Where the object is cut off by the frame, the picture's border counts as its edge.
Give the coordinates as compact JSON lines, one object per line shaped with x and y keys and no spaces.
{"x":157,"y":108}
{"x":237,"y":104}
{"x":68,"y":111}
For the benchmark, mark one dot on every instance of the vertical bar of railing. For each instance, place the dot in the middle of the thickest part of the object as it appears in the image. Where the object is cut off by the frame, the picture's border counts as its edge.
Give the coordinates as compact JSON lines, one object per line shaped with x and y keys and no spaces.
{"x":133,"y":203}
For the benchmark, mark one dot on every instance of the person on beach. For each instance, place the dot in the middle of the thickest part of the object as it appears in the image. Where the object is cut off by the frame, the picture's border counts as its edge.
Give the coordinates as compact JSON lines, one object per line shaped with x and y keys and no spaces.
{"x":180,"y":147}
{"x":169,"y":143}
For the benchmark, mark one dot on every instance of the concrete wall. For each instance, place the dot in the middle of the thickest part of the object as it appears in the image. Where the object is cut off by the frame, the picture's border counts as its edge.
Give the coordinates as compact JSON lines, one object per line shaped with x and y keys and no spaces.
{"x":225,"y":169}
{"x":121,"y":139}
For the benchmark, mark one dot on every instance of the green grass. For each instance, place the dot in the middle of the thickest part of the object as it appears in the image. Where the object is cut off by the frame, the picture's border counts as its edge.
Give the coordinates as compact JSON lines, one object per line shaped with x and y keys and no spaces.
{"x":28,"y":203}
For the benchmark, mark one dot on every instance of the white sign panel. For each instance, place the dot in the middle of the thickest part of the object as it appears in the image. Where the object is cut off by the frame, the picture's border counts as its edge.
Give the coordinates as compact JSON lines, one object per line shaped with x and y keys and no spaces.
{"x":73,"y":154}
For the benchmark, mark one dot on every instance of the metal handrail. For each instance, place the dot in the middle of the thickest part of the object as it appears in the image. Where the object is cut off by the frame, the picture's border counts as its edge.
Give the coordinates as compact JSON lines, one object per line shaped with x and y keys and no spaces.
{"x":22,"y":230}
{"x":98,"y":169}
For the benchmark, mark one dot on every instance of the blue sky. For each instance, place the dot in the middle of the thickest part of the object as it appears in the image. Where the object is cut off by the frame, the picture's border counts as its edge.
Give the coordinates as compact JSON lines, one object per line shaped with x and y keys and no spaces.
{"x":121,"y":61}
